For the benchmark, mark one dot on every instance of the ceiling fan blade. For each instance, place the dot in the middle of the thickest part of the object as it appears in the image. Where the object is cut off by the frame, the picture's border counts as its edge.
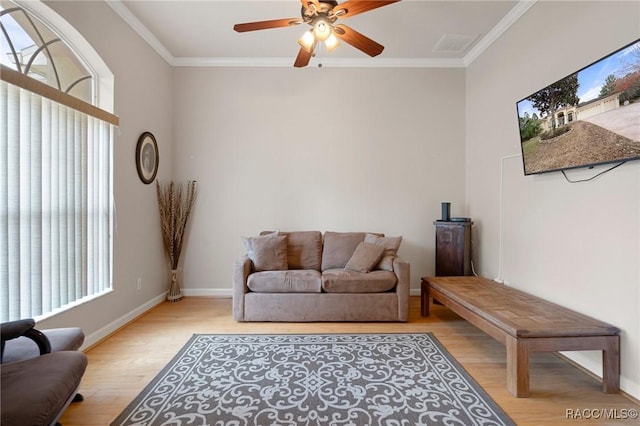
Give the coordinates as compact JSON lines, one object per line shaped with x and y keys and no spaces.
{"x":358,"y":40}
{"x":264,"y":25}
{"x":303,"y":58}
{"x":355,"y":7}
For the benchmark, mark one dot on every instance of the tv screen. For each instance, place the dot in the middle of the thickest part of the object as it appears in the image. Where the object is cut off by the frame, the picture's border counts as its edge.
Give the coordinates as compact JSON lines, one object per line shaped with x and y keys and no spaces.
{"x":588,"y":118}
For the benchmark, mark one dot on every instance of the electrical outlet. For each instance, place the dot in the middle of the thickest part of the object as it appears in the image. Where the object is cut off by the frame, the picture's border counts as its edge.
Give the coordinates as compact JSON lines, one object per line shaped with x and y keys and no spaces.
{"x":139,"y":283}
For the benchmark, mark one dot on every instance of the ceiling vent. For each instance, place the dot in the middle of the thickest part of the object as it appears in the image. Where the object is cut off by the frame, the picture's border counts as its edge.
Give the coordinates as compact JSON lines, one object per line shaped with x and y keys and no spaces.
{"x":454,"y":43}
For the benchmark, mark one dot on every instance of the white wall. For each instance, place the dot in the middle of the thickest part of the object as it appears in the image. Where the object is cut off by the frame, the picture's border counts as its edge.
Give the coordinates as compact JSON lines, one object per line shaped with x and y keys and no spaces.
{"x":575,"y":244}
{"x":143,"y":103}
{"x":316,"y":149}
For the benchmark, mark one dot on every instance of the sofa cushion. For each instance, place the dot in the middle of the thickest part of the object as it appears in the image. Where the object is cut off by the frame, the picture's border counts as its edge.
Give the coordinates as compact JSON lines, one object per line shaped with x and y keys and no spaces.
{"x":391,"y":246}
{"x":346,"y":281}
{"x":267,"y":252}
{"x":338,"y":247}
{"x":304,"y":249}
{"x":365,"y":257}
{"x":298,"y":281}
{"x":34,"y":391}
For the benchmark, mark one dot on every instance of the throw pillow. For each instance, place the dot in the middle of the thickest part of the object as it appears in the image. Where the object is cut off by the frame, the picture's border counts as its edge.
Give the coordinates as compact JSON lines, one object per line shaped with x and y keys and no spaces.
{"x":365,"y":257}
{"x":268,"y":252}
{"x":304,"y":248}
{"x":391,"y":246}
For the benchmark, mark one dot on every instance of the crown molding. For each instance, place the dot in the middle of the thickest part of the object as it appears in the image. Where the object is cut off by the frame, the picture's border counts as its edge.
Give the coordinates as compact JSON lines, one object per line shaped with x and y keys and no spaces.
{"x":329,"y":62}
{"x":126,"y":14}
{"x":505,"y":23}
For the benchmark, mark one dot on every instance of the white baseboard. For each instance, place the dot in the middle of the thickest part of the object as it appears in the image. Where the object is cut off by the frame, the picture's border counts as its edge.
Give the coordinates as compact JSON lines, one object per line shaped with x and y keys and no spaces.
{"x":207,"y":292}
{"x":114,"y":326}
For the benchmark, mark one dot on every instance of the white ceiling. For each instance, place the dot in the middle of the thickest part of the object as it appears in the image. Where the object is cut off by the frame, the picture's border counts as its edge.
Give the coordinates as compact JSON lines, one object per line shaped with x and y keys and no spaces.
{"x":200,"y":33}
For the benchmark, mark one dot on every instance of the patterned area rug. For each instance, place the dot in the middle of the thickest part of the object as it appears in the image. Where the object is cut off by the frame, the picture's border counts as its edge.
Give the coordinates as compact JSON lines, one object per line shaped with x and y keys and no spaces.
{"x":334,"y":379}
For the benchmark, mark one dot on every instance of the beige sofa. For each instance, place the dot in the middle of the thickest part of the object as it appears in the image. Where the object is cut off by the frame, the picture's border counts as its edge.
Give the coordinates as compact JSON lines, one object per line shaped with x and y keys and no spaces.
{"x":305,"y":276}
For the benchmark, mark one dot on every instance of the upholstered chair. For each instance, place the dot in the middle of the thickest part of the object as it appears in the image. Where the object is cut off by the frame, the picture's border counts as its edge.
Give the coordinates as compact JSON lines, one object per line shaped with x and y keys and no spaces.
{"x":35,"y":390}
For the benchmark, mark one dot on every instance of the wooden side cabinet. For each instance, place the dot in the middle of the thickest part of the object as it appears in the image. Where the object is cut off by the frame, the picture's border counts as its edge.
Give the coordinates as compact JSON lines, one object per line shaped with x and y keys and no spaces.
{"x":453,"y":248}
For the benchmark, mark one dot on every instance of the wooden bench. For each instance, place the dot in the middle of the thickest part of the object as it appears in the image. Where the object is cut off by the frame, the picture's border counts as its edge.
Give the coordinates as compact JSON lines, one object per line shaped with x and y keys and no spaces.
{"x":525,"y":324}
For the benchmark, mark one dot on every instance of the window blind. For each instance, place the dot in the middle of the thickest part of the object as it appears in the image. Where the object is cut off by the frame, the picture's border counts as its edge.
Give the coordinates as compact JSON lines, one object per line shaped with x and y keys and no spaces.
{"x":55,"y":204}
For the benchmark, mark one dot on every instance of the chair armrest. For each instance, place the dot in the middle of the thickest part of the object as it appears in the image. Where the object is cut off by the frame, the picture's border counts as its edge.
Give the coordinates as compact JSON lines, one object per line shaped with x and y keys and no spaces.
{"x":402,"y":269}
{"x":242,"y":268}
{"x":14,"y":329}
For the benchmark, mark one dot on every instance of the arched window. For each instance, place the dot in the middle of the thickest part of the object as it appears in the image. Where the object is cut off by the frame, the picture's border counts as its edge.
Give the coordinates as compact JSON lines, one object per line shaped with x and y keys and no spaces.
{"x":56,"y":158}
{"x":32,"y":49}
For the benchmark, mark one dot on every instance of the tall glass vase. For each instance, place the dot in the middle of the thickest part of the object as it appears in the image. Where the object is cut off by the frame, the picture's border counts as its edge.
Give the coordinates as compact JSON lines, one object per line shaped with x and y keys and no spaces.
{"x":174,"y":293}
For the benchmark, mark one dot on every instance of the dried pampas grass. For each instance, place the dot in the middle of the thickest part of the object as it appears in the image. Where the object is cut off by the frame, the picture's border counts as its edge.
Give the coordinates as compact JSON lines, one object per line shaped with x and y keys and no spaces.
{"x":175,"y":202}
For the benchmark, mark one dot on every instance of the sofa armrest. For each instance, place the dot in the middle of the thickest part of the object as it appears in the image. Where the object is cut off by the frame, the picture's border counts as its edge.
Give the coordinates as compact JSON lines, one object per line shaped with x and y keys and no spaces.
{"x":241,"y":270}
{"x":403,"y":272}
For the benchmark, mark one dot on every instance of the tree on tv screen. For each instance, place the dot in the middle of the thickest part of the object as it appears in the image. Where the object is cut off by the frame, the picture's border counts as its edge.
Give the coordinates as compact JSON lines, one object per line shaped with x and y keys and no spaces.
{"x":529,"y":126}
{"x":609,"y":86}
{"x":557,"y":95}
{"x":629,"y":86}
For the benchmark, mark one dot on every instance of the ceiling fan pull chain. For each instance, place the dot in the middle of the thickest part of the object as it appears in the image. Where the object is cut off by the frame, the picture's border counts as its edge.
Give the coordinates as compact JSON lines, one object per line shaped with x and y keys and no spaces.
{"x":319,"y":53}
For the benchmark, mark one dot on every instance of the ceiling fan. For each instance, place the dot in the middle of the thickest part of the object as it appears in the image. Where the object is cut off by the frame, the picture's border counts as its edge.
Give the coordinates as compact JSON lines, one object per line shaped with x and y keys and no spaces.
{"x":321,"y":15}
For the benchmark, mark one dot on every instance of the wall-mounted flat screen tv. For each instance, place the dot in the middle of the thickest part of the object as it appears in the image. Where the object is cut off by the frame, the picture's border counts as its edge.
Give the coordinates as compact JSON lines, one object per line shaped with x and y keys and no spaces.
{"x":588,"y":118}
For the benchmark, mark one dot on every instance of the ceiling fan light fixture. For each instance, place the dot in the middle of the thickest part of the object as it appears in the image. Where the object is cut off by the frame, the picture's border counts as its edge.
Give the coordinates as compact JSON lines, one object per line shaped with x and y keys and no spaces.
{"x":331,"y":42}
{"x":307,"y":41}
{"x":322,"y":29}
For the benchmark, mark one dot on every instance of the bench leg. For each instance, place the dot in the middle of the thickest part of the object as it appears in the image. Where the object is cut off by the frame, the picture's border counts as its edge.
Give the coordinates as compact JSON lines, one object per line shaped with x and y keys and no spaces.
{"x":517,"y":367}
{"x":611,"y":365}
{"x":424,"y":299}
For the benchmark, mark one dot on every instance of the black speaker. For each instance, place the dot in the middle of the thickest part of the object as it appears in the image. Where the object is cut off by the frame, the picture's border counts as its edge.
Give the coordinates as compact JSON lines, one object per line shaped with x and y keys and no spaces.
{"x":446,"y":212}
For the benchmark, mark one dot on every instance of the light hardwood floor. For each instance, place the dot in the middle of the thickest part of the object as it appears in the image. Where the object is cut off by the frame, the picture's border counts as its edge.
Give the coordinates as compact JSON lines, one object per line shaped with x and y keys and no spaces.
{"x":122,"y":365}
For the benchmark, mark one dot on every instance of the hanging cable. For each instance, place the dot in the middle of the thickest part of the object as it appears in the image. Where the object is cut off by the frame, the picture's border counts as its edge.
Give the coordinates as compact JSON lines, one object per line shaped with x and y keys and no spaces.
{"x":592,"y":177}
